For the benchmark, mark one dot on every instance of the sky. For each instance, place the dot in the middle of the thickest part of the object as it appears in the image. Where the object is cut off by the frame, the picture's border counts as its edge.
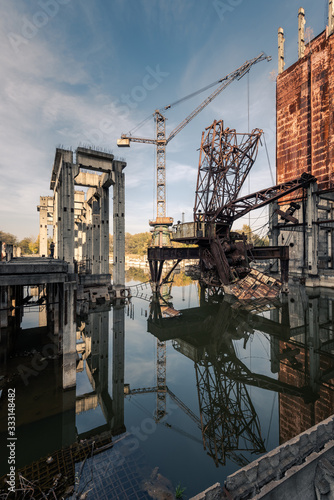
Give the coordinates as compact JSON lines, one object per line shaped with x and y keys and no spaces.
{"x":82,"y":72}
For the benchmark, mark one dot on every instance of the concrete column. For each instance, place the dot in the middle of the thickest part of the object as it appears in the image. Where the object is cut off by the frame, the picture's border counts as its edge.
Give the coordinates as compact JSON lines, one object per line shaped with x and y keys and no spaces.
{"x":104,"y":233}
{"x":60,"y":224}
{"x":301,"y":33}
{"x":312,"y":232}
{"x":43,"y":226}
{"x":281,"y":41}
{"x":118,"y":369}
{"x":79,"y":199}
{"x":119,"y":225}
{"x":96,"y":236}
{"x":68,"y":213}
{"x":89,"y":243}
{"x":55,"y":225}
{"x":330,"y":17}
{"x":77,"y":238}
{"x":273,"y":230}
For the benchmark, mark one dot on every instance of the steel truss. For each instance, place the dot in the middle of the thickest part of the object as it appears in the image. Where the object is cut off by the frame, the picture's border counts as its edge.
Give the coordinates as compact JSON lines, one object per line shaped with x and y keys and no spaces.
{"x":226,"y":158}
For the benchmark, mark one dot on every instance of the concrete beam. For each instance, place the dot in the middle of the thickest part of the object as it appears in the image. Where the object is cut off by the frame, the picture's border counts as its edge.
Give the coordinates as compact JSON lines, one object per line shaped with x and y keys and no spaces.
{"x":107,"y":180}
{"x":61,"y":155}
{"x":94,"y":160}
{"x":87,"y":179}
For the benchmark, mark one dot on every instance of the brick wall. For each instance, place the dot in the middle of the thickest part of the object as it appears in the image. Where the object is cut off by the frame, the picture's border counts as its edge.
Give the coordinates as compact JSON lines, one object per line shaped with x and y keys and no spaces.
{"x":305,"y":115}
{"x":296,"y":416}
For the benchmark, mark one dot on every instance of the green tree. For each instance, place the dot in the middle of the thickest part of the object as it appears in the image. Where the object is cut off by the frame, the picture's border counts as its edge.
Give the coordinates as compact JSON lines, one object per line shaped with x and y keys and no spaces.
{"x":8,"y":238}
{"x":29,"y":245}
{"x":137,"y":243}
{"x":252,"y":237}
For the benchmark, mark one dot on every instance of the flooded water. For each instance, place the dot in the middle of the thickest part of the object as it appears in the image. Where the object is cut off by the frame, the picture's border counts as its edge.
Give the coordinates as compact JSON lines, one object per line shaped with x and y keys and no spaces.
{"x":232,"y":384}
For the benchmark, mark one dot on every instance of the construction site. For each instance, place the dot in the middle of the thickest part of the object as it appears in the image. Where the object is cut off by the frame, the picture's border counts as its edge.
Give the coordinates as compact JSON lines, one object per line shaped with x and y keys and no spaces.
{"x":137,"y":394}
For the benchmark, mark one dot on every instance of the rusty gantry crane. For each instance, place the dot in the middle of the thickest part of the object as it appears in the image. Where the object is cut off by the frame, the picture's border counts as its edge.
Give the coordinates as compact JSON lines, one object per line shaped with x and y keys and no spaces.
{"x":226,"y":158}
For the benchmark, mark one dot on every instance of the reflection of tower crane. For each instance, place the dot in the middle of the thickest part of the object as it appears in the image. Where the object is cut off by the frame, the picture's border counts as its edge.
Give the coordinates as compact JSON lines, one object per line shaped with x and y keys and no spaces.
{"x":162,"y":223}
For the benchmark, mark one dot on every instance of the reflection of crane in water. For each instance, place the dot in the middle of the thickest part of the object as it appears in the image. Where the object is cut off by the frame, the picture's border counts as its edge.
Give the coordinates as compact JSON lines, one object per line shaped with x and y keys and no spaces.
{"x":206,"y":335}
{"x":228,"y":420}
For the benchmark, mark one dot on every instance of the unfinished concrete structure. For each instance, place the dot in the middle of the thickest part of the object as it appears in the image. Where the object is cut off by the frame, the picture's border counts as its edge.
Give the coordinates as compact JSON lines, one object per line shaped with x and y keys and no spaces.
{"x":305,"y":143}
{"x":80,"y":218}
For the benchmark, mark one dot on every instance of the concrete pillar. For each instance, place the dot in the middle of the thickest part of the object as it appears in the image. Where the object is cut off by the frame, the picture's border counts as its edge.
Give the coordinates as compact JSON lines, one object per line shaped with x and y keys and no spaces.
{"x":119,"y":225}
{"x":301,"y":33}
{"x":43,"y":226}
{"x":55,"y":225}
{"x":104,"y":233}
{"x":77,"y":237}
{"x":281,"y":41}
{"x":68,"y":213}
{"x":96,"y":236}
{"x":273,"y":230}
{"x":330,"y":17}
{"x":312,"y":232}
{"x":118,"y":369}
{"x":79,"y":200}
{"x":89,"y":242}
{"x":60,"y":224}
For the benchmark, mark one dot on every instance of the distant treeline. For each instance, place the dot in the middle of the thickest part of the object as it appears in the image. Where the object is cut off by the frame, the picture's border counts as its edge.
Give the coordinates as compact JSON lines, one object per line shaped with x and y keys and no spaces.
{"x":28,"y":245}
{"x":135,"y":244}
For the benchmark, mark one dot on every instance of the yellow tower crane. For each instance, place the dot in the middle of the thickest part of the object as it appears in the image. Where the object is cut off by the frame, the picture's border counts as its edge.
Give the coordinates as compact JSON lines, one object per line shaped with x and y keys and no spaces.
{"x":162,"y":223}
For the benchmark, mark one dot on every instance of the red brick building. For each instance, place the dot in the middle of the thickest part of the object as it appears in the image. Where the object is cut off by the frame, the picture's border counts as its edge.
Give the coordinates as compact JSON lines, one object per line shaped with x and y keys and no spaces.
{"x":305,"y":143}
{"x":305,"y":115}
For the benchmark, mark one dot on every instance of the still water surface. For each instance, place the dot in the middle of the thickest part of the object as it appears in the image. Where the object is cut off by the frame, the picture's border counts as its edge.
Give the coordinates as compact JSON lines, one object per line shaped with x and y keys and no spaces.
{"x":238,"y":383}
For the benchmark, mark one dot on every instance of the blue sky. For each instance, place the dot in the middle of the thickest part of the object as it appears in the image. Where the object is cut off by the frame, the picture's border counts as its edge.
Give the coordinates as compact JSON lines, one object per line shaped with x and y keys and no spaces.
{"x":79,"y":72}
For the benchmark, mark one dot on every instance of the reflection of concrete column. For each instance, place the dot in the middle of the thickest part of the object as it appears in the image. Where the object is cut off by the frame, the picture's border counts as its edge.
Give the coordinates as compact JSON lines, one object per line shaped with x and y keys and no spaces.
{"x":118,"y":369}
{"x":104,"y":234}
{"x":274,"y":344}
{"x":68,"y":334}
{"x":313,"y":342}
{"x":119,"y":225}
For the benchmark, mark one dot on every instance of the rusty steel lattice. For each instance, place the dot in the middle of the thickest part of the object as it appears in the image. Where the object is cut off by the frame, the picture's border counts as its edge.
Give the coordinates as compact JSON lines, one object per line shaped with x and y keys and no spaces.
{"x":226,"y":158}
{"x":229,"y":421}
{"x":161,"y":381}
